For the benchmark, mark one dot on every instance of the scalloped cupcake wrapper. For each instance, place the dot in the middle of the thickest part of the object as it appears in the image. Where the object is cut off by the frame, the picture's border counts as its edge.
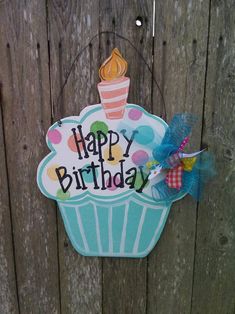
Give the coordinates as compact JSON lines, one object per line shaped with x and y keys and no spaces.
{"x":114,"y":229}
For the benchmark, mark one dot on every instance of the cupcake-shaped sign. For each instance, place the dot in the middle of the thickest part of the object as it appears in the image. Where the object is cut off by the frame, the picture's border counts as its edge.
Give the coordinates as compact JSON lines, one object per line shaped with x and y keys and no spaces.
{"x":99,"y":170}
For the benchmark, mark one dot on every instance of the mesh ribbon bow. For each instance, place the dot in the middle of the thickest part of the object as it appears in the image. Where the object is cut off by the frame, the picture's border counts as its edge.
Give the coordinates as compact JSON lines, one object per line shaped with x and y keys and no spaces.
{"x":186,"y":173}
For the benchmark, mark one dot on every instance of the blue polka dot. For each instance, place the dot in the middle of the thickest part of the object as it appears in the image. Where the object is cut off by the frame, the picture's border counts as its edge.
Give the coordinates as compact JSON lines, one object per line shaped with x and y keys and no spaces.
{"x":88,"y":177}
{"x":145,"y":135}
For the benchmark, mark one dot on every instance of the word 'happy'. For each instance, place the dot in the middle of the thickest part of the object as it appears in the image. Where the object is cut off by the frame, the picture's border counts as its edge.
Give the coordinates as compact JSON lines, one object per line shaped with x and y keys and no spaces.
{"x":91,"y":145}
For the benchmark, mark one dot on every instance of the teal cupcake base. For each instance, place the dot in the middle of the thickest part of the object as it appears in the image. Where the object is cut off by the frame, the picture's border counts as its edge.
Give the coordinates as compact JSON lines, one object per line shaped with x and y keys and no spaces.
{"x":120,"y":228}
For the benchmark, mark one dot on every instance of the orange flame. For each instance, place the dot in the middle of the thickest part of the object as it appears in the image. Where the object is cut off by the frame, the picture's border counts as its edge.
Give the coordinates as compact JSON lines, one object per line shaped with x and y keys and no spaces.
{"x":114,"y":67}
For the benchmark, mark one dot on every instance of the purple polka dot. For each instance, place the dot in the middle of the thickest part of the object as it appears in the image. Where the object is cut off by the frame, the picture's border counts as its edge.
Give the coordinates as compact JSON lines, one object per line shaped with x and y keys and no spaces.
{"x":140,"y":157}
{"x":135,"y":114}
{"x":54,"y":136}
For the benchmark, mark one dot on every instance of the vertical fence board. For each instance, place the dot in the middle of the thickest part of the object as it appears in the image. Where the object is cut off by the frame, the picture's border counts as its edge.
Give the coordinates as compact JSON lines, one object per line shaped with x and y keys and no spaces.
{"x":71,"y":25}
{"x":124,"y":280}
{"x":214,"y":278}
{"x":8,"y":293}
{"x":180,"y":47}
{"x":26,"y":115}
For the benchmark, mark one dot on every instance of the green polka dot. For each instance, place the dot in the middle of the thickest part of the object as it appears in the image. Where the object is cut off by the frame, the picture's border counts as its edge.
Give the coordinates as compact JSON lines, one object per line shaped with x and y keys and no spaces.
{"x":88,"y":177}
{"x":145,"y":135}
{"x":63,"y":196}
{"x":139,"y":181}
{"x":99,"y":126}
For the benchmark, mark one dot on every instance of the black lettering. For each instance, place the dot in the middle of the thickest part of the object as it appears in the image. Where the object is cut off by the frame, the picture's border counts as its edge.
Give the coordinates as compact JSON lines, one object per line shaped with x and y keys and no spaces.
{"x":144,"y":179}
{"x":120,"y":176}
{"x":84,"y":187}
{"x":75,"y":173}
{"x":131,"y":179}
{"x":91,"y":147}
{"x":103,"y":173}
{"x":93,"y":167}
{"x":111,"y":143}
{"x":102,"y":140}
{"x":80,"y":141}
{"x":63,"y":177}
{"x":129,"y":141}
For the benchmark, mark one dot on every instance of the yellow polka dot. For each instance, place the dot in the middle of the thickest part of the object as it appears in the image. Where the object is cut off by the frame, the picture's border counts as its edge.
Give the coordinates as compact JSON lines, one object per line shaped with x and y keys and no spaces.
{"x":149,"y":164}
{"x":51,"y":172}
{"x":117,"y":154}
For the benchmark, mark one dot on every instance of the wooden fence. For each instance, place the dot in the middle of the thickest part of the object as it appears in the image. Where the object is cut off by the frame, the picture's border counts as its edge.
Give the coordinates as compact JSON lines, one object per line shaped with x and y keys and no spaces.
{"x":192,"y":269}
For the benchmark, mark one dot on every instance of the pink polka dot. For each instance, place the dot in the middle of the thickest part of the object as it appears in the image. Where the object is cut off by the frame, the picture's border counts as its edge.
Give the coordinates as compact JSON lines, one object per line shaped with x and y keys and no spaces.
{"x":72,"y":144}
{"x":140,"y":157}
{"x":113,"y":186}
{"x":54,"y":136}
{"x":135,"y":114}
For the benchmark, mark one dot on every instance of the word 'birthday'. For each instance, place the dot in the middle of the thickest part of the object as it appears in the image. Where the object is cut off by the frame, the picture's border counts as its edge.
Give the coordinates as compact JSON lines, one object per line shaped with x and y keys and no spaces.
{"x":92,"y":145}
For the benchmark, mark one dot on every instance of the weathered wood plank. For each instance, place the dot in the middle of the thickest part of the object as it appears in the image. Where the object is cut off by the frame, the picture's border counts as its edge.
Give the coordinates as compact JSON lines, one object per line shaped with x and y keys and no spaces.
{"x":179,"y":61}
{"x":124,"y":280}
{"x":26,"y":115}
{"x":214,"y":278}
{"x":8,"y":292}
{"x":71,"y":25}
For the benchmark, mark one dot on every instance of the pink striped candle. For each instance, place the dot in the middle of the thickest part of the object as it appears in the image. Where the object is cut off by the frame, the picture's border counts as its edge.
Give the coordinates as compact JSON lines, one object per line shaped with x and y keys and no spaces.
{"x":113,"y":95}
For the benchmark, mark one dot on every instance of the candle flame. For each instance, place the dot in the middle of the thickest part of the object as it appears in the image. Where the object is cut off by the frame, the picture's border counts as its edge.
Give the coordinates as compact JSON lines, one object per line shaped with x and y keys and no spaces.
{"x":114,"y":67}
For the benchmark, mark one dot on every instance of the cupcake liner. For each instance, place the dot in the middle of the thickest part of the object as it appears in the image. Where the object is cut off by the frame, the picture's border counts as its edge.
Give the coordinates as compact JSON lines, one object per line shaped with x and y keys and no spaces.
{"x":124,"y":229}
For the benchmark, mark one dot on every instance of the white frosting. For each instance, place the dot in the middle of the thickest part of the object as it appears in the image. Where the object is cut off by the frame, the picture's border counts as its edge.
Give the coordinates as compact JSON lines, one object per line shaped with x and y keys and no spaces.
{"x":151,"y":126}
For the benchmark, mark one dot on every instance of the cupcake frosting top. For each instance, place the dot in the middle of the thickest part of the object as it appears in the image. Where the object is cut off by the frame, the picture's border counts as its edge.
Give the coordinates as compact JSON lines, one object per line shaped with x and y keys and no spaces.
{"x":92,"y":155}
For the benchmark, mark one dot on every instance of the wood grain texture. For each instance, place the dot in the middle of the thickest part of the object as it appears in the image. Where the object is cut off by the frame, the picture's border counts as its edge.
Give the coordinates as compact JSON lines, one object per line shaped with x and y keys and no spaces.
{"x":214,"y":278}
{"x":124,"y":280}
{"x":180,"y":46}
{"x":26,"y":116}
{"x":8,"y":291}
{"x":191,"y":270}
{"x":71,"y":26}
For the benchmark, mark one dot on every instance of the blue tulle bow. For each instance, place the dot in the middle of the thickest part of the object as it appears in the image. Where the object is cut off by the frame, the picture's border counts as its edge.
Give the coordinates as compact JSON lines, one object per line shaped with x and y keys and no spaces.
{"x":167,"y":154}
{"x":179,"y":128}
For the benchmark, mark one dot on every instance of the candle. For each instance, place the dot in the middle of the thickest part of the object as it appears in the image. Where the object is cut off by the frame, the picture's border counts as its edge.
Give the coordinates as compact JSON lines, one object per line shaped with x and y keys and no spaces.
{"x":114,"y":86}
